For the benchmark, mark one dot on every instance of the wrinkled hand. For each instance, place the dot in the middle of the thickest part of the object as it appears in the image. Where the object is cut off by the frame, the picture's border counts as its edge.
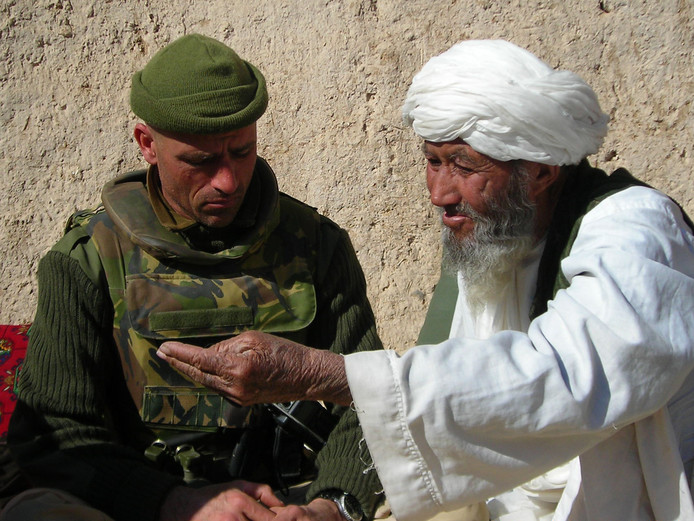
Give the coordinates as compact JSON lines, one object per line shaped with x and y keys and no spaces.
{"x":256,"y":367}
{"x":316,"y":510}
{"x":235,"y":501}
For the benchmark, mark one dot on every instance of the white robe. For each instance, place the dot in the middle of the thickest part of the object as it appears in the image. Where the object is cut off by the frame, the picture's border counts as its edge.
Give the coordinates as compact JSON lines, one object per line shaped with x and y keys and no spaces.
{"x":508,"y":308}
{"x":605,"y":373}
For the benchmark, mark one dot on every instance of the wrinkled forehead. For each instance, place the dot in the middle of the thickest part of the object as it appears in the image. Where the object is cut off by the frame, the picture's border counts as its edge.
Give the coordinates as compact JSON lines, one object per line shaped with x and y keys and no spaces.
{"x":459,"y":150}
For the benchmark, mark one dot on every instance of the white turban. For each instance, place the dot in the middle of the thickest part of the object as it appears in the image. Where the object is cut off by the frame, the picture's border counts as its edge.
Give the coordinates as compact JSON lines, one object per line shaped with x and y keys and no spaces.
{"x":505,"y":103}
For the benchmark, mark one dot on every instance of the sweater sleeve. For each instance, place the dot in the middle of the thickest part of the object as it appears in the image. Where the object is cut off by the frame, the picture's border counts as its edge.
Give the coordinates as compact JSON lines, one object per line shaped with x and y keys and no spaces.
{"x":345,"y":324}
{"x":75,"y":427}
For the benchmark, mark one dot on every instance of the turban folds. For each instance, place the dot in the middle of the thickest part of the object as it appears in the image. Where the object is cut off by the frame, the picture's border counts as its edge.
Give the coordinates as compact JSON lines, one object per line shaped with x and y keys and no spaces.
{"x":505,"y":103}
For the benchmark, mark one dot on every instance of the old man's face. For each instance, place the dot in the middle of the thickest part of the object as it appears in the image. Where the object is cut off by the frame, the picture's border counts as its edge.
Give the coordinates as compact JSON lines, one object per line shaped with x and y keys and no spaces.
{"x":464,"y":184}
{"x":487,"y":214}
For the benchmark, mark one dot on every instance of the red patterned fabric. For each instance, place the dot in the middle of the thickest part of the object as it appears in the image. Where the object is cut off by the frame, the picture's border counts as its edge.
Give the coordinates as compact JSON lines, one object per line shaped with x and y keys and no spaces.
{"x":13,"y":345}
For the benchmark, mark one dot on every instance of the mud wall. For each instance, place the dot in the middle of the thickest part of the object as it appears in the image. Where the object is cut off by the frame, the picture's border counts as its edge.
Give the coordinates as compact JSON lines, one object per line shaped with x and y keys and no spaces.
{"x":337,"y":73}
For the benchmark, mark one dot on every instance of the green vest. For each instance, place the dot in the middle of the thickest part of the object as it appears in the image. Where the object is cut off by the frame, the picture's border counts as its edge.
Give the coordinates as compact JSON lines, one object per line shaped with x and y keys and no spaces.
{"x":163,"y":289}
{"x":585,"y":187}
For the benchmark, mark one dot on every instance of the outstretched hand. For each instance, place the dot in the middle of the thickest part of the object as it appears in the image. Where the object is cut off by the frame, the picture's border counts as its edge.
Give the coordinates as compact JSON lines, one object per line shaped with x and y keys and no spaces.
{"x":256,"y":367}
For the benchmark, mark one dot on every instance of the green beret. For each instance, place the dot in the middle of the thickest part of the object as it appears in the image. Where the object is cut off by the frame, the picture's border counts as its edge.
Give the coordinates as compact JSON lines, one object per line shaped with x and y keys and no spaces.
{"x":197,"y":85}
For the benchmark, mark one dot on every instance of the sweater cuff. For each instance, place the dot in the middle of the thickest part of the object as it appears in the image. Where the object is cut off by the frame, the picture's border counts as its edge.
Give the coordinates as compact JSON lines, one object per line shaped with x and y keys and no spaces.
{"x":347,"y":466}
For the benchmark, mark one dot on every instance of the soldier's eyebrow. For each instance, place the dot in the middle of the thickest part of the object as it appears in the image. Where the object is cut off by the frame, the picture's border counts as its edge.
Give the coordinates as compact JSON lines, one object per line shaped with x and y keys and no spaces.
{"x":244,"y":148}
{"x":196,"y":156}
{"x":195,"y":153}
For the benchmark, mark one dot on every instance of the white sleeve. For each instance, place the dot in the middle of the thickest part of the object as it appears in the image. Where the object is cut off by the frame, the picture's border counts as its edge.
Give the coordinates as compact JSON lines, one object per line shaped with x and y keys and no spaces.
{"x":459,"y":422}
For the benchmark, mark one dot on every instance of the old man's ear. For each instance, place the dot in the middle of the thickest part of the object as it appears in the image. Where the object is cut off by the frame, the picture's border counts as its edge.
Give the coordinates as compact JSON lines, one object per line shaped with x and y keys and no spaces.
{"x":541,"y":177}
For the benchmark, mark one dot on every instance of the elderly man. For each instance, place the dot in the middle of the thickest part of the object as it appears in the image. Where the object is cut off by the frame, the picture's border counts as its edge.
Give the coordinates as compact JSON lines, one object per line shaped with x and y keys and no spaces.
{"x":562,"y":383}
{"x":199,"y":247}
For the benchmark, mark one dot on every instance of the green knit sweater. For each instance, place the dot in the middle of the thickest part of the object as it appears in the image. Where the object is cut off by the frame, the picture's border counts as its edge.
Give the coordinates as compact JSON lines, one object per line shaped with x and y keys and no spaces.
{"x":75,"y":426}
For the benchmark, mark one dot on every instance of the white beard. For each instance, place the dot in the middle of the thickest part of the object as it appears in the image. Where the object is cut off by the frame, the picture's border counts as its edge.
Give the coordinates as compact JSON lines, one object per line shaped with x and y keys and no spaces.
{"x":500,"y":240}
{"x":488,"y":268}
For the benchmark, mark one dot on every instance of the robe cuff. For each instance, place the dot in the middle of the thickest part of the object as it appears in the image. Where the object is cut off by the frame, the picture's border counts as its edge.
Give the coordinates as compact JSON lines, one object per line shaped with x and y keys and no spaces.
{"x":379,"y":402}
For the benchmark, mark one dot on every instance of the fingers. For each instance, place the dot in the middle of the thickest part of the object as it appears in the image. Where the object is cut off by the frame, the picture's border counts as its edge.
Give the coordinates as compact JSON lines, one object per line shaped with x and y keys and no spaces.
{"x":181,"y":356}
{"x":291,"y":513}
{"x":179,"y":351}
{"x":219,"y":357}
{"x":260,"y":492}
{"x":214,"y":368}
{"x":221,"y":502}
{"x":254,"y":511}
{"x":195,"y":362}
{"x":200,"y":364}
{"x":253,"y":367}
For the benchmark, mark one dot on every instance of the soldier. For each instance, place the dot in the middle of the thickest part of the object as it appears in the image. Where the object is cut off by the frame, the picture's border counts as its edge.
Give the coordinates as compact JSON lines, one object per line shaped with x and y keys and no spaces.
{"x":198,"y":247}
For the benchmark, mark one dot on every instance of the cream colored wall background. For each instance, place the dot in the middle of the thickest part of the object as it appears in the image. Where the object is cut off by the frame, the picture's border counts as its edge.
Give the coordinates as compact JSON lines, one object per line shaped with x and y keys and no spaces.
{"x":337,"y":73}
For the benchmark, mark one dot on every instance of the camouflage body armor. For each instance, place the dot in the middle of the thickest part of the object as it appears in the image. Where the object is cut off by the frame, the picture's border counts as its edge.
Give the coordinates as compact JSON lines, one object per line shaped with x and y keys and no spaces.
{"x":164,"y":289}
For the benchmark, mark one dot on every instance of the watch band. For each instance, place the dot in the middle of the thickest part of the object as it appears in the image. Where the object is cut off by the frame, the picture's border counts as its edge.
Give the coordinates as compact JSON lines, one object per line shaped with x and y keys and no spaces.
{"x":347,"y":504}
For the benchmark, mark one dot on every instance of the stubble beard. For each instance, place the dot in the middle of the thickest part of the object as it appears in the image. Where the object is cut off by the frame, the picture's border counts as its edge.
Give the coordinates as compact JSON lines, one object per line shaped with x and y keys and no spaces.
{"x":500,"y":240}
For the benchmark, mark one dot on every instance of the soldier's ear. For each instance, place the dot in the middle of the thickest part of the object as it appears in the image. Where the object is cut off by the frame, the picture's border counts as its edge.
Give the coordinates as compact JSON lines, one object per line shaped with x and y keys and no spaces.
{"x":145,"y":140}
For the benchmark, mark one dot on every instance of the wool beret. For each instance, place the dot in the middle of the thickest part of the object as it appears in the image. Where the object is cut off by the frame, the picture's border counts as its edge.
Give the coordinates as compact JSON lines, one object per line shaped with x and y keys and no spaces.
{"x":198,"y":85}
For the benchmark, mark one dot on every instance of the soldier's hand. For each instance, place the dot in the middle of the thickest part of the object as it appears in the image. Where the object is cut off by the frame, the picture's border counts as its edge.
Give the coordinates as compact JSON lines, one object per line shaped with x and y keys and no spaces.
{"x":235,"y":501}
{"x":316,"y":510}
{"x":255,"y":367}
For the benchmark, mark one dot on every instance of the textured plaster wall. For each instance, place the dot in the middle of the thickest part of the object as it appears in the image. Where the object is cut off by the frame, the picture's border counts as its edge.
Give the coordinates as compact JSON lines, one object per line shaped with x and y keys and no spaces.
{"x":337,"y":73}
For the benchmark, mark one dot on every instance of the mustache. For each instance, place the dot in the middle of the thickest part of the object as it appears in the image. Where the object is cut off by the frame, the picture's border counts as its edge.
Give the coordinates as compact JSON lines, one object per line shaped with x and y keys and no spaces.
{"x":462,"y":208}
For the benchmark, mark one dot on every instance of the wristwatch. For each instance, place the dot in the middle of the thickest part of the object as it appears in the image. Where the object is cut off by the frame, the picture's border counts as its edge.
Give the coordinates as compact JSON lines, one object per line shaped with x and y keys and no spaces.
{"x":346,"y":503}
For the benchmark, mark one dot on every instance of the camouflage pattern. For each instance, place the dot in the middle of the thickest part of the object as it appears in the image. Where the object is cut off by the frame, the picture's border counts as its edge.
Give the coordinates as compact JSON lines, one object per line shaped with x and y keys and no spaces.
{"x":163,"y":289}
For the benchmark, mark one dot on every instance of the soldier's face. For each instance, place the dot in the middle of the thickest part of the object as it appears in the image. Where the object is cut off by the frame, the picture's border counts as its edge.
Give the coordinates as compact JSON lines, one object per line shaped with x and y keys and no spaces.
{"x":203,"y":177}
